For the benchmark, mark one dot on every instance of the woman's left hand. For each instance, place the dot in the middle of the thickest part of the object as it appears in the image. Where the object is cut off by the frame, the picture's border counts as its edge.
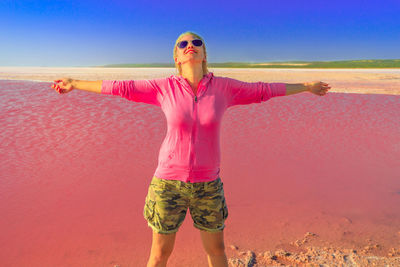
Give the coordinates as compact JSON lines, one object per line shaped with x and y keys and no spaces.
{"x":317,"y":88}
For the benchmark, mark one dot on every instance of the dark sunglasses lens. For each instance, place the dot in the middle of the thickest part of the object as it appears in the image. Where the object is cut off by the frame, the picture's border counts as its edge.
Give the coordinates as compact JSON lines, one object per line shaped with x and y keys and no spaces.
{"x":197,"y":42}
{"x":183,"y":44}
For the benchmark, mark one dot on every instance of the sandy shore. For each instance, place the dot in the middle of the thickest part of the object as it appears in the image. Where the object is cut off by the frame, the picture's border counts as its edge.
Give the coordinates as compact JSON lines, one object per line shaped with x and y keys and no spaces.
{"x":301,"y":253}
{"x":364,"y":81}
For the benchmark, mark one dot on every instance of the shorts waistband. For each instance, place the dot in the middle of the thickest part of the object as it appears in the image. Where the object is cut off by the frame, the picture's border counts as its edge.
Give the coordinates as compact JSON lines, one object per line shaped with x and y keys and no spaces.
{"x":188,"y":185}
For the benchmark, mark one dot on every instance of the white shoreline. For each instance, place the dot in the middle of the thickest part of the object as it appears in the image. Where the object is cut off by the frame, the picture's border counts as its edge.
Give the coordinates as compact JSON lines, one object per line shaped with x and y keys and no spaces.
{"x":364,"y":81}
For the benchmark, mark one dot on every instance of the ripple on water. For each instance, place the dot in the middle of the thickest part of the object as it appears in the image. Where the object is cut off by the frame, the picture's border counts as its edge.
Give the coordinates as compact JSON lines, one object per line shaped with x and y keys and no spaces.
{"x":79,"y":164}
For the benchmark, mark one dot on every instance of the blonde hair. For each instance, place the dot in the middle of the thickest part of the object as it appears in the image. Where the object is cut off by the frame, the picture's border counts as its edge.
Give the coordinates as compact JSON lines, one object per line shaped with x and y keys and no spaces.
{"x":204,"y":64}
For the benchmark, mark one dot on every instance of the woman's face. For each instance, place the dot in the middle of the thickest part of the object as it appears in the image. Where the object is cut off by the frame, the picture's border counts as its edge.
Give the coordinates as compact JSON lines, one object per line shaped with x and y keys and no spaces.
{"x":191,"y":53}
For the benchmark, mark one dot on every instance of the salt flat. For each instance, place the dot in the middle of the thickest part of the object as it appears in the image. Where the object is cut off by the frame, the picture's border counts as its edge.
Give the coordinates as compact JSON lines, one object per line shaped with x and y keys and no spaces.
{"x":364,"y":81}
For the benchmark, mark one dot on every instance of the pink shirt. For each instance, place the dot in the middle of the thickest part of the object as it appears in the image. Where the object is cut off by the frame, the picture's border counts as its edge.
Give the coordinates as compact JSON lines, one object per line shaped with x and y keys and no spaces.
{"x":190,"y":151}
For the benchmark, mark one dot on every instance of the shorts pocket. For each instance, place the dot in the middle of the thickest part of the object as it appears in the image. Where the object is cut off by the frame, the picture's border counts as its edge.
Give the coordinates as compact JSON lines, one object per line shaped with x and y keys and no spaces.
{"x":224,"y":205}
{"x":224,"y":209}
{"x":149,"y":209}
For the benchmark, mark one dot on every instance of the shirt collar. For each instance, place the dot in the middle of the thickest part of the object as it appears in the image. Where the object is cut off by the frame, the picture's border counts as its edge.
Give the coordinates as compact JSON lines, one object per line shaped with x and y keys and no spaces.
{"x":206,"y":78}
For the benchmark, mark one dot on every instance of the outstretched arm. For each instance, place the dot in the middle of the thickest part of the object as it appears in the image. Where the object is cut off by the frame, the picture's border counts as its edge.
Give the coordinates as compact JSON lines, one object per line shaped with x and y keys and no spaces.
{"x":317,"y":88}
{"x":65,"y":85}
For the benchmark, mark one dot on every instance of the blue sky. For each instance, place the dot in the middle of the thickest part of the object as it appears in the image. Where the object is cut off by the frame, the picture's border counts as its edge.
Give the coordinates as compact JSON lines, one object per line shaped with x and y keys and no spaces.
{"x":98,"y":32}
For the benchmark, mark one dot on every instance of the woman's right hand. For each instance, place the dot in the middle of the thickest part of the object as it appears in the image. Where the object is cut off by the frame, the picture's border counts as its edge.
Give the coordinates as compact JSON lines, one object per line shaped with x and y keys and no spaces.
{"x":63,"y":85}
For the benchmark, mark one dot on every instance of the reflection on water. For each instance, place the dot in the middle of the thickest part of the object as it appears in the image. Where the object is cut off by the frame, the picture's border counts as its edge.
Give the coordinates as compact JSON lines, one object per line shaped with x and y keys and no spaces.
{"x":75,"y":170}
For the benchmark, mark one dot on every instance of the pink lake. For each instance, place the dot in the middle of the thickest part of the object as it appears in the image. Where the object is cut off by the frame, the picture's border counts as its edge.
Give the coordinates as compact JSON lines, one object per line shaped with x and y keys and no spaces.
{"x":75,"y":170}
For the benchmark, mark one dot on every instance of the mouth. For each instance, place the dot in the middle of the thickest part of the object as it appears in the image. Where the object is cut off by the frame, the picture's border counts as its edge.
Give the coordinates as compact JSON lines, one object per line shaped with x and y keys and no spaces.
{"x":191,"y":50}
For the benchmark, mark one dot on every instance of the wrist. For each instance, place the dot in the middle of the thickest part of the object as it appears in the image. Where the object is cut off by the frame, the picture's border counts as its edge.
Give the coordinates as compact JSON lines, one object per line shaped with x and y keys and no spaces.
{"x":306,"y":86}
{"x":74,"y":83}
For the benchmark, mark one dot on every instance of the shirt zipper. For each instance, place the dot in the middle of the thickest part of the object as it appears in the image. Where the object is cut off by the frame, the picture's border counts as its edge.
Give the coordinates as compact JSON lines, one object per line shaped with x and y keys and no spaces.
{"x":193,"y":130}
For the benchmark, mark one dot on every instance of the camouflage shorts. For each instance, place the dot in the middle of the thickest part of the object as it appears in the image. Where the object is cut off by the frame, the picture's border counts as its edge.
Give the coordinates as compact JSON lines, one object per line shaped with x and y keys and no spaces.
{"x":167,"y":202}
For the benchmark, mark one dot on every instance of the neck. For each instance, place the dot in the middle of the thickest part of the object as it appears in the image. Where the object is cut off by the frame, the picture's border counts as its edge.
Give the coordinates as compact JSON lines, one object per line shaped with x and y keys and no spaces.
{"x":193,"y":73}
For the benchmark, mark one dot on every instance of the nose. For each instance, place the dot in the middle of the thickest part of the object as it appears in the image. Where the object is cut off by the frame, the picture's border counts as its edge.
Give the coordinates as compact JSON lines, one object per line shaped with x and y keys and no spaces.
{"x":189,"y":47}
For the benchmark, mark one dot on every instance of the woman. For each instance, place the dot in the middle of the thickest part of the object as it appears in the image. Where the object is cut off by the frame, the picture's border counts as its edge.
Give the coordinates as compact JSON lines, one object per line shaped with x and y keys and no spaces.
{"x":187,"y":175}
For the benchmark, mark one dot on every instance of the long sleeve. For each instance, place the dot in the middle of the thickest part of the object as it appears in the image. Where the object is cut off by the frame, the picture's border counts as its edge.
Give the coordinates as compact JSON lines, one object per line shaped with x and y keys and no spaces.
{"x":243,"y":93}
{"x":146,"y":91}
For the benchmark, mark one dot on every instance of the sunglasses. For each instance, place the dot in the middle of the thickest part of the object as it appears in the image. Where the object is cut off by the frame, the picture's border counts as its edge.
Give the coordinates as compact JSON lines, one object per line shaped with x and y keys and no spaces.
{"x":195,"y":42}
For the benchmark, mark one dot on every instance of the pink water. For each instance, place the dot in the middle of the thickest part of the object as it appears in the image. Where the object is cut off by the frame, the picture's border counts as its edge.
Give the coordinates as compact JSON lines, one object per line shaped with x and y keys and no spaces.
{"x":75,"y":170}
